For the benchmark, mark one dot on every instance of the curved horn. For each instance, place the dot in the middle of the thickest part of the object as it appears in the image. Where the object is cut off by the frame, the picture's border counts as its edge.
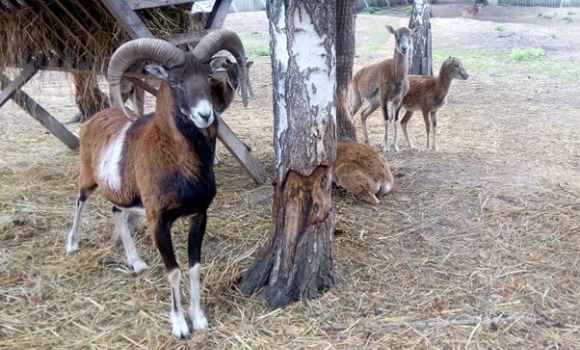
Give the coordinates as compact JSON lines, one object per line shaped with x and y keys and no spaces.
{"x":144,"y":49}
{"x":225,"y":39}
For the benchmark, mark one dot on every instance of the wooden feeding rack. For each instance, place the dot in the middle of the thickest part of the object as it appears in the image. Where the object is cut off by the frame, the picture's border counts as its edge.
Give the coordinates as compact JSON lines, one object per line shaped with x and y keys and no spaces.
{"x":81,"y":36}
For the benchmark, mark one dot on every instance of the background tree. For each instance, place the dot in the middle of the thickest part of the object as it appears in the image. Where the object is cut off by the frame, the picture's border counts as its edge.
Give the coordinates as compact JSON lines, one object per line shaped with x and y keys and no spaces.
{"x":297,"y":262}
{"x":421,"y":55}
{"x":345,"y":45}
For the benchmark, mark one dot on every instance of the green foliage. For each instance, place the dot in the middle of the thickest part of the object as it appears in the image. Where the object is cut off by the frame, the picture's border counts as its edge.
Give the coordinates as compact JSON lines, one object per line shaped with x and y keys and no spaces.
{"x":548,"y":17}
{"x":571,"y":13}
{"x":568,"y":19}
{"x":261,"y":52}
{"x":256,"y":44}
{"x":369,"y":10}
{"x":499,"y":28}
{"x":528,"y":54}
{"x":497,"y":62}
{"x":408,"y":10}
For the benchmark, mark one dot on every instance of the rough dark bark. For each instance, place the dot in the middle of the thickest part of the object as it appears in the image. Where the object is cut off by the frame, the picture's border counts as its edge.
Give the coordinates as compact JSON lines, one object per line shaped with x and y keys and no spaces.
{"x":345,"y":45}
{"x":421,"y":55}
{"x":297,"y":262}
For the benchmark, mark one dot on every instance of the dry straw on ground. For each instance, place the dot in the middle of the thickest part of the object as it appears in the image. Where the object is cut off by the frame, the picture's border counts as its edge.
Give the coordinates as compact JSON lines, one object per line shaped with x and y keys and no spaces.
{"x":476,"y":248}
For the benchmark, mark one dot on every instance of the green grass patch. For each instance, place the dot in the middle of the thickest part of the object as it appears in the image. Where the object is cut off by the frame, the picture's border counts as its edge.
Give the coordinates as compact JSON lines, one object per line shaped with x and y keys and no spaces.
{"x":527,"y":54}
{"x":500,"y":63}
{"x":499,"y":28}
{"x":369,"y":10}
{"x":568,"y":19}
{"x":256,"y":44}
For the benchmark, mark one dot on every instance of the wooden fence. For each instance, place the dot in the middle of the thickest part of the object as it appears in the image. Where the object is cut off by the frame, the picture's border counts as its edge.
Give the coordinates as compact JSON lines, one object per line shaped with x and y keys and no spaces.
{"x":544,"y":3}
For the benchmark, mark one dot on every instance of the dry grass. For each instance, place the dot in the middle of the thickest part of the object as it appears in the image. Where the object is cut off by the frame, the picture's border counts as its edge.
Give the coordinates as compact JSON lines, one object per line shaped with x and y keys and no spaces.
{"x":477,"y":247}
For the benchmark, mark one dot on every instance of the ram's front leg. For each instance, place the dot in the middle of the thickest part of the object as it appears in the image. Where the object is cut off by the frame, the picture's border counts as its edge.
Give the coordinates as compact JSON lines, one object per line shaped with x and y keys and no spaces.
{"x":196,"y":232}
{"x":161,"y":230}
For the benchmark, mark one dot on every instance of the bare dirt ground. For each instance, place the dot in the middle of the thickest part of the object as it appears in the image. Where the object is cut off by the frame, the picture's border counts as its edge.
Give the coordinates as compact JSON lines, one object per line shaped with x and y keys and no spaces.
{"x":476,"y":248}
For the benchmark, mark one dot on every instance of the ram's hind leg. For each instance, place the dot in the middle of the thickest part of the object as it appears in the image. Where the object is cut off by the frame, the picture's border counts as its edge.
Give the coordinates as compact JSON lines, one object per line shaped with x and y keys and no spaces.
{"x":196,"y":232}
{"x":124,"y":224}
{"x":74,"y":236}
{"x":131,"y":222}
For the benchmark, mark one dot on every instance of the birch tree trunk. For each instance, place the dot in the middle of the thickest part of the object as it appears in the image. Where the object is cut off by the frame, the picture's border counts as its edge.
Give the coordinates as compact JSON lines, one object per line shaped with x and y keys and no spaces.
{"x":345,"y":44}
{"x":297,"y":263}
{"x":421,"y":55}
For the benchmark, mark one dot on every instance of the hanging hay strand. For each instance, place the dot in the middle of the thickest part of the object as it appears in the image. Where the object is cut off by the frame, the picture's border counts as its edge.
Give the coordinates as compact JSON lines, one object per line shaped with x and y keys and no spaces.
{"x":79,"y":34}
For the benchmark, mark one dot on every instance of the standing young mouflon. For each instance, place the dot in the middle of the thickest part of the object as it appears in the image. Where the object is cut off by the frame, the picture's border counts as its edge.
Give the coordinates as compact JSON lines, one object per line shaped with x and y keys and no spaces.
{"x":161,"y":165}
{"x":385,"y":82}
{"x":428,"y":94}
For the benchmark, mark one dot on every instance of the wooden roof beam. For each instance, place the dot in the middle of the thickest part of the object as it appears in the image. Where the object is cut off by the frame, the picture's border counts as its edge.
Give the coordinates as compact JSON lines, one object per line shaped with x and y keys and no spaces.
{"x":12,"y":86}
{"x":144,"y":4}
{"x":125,"y":15}
{"x":217,"y":17}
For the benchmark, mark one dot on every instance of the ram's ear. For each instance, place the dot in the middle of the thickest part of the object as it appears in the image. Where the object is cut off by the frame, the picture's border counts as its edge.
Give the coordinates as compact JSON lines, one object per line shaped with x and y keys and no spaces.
{"x":157,"y":71}
{"x":221,"y":96}
{"x":390,"y":29}
{"x":219,"y":62}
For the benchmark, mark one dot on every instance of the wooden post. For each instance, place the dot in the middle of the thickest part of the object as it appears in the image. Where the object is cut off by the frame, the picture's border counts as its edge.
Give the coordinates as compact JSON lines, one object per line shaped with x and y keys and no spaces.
{"x":26,"y":74}
{"x":241,"y":152}
{"x":37,"y":112}
{"x":127,"y":18}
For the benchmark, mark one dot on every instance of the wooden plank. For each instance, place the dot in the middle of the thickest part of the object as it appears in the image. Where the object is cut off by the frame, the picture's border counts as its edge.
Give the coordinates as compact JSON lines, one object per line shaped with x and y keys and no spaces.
{"x":42,"y":116}
{"x":144,"y":4}
{"x":127,"y":18}
{"x":218,"y":14}
{"x":191,"y":38}
{"x":26,"y":74}
{"x":241,"y":152}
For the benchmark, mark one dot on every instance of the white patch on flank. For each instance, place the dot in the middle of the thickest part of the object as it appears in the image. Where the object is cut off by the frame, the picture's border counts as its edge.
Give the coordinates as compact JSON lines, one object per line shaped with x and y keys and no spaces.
{"x":109,"y":169}
{"x":195,"y":311}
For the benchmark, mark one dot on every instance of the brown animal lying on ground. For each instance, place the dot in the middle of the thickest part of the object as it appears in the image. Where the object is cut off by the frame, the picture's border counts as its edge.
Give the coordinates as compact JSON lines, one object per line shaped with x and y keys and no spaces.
{"x":362,"y":171}
{"x":471,"y":11}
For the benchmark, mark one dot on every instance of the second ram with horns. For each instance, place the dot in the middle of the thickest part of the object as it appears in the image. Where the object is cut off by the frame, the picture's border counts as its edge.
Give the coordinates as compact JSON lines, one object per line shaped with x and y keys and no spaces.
{"x":161,"y":165}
